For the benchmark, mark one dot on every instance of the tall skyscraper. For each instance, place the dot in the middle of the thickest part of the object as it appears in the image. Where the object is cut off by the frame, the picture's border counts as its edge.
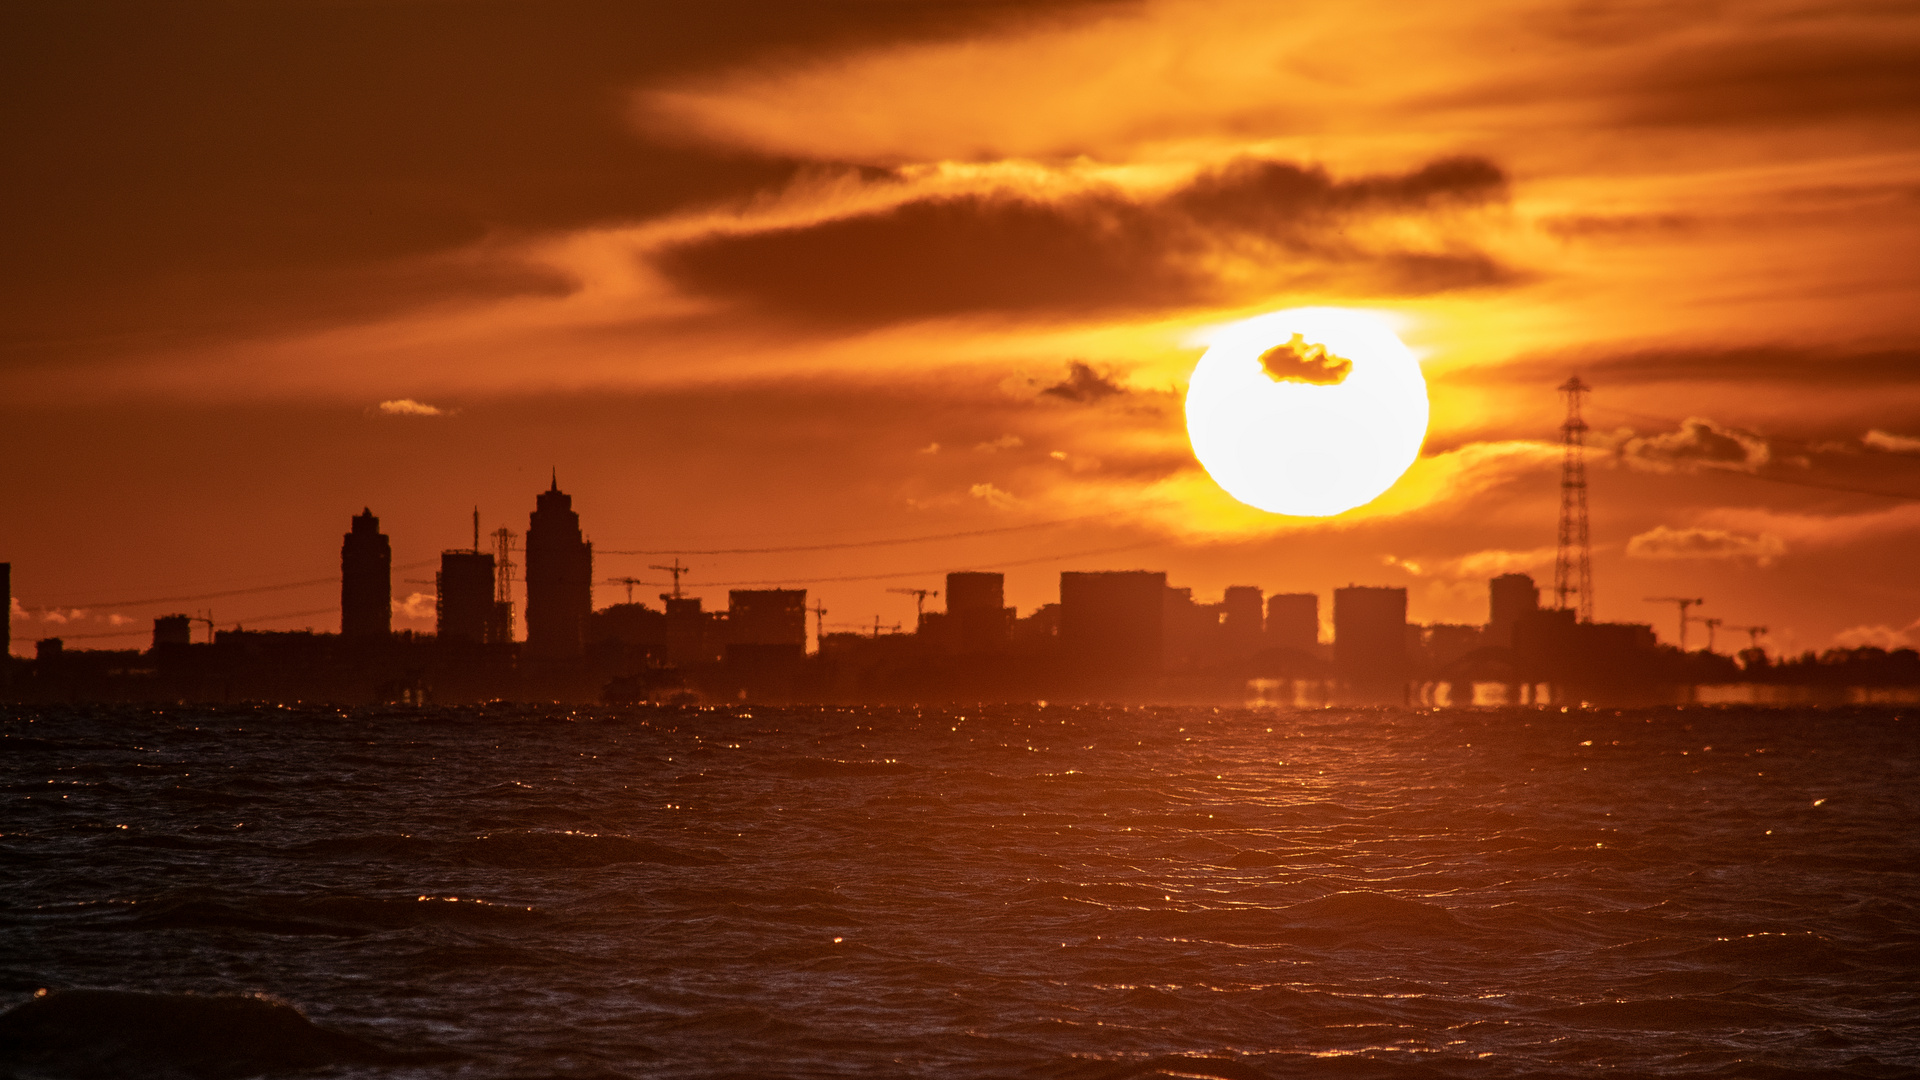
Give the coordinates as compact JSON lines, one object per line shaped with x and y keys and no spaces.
{"x":366,"y":581}
{"x":559,"y":577}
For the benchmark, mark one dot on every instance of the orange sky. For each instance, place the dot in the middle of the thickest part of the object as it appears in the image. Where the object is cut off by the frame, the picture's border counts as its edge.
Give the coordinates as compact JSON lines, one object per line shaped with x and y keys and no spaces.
{"x":763,"y":274}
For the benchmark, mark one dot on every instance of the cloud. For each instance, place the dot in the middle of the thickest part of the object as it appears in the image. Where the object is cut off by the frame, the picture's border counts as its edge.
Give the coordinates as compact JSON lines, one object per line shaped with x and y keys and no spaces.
{"x":1664,"y":542}
{"x":409,"y":407}
{"x":992,"y":496}
{"x":416,"y":606}
{"x":1294,"y":360}
{"x":1896,"y":444}
{"x":1818,"y":530}
{"x":1493,"y":563}
{"x":1228,"y":234}
{"x":1004,"y":442}
{"x":1083,"y":383}
{"x":1478,"y":565}
{"x":1818,"y":367}
{"x":1698,"y":442}
{"x":1878,"y":635}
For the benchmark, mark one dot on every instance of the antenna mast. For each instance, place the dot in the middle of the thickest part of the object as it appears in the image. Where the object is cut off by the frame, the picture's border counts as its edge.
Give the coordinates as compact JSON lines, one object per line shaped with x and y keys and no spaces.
{"x":1573,"y":567}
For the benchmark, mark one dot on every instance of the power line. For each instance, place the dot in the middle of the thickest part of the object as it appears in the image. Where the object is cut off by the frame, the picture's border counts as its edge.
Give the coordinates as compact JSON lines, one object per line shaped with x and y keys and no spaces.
{"x":225,"y":593}
{"x":919,"y":573}
{"x":236,"y":622}
{"x":849,"y":544}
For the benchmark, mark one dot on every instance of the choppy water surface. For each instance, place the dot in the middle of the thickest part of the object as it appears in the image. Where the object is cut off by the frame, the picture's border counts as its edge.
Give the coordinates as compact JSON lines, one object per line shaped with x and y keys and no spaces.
{"x":1035,"y":892}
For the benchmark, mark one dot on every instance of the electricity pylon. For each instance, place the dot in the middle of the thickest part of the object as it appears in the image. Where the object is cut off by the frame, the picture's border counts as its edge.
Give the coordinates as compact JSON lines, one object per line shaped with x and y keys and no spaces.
{"x":1573,"y":565}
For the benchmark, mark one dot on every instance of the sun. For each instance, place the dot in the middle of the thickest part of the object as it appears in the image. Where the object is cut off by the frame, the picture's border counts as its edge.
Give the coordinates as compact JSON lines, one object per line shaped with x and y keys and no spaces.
{"x":1309,"y":411}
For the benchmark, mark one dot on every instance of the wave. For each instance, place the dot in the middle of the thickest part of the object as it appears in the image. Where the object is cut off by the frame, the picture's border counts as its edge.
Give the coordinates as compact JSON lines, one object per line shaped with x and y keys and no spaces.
{"x":513,"y":849}
{"x":119,"y":1033}
{"x":302,"y":916}
{"x":535,"y":850}
{"x":1375,"y":913}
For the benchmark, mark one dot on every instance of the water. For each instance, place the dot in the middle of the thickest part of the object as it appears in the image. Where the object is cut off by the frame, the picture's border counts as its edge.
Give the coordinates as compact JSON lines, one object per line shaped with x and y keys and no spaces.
{"x":1073,"y":893}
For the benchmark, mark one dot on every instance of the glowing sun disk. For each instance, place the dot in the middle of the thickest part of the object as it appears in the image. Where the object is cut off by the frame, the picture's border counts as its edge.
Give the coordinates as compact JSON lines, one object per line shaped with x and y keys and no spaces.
{"x":1309,"y":411}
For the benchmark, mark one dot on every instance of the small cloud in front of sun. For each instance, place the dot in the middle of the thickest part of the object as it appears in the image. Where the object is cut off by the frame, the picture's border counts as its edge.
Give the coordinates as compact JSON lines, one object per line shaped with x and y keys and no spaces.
{"x":410,"y":407}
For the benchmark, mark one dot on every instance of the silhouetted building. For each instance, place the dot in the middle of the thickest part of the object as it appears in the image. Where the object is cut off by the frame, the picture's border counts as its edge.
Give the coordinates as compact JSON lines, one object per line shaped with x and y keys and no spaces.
{"x":172,"y":630}
{"x":6,"y":625}
{"x":48,"y":649}
{"x":977,"y":617}
{"x":1112,"y":627}
{"x":1443,"y":643}
{"x":690,"y":632}
{"x":1242,"y":621}
{"x":1293,"y":621}
{"x":766,"y":638}
{"x":559,"y":577}
{"x":464,"y":597}
{"x":767,"y":618}
{"x":1510,"y":598}
{"x":1585,"y":661}
{"x":366,"y":580}
{"x":628,"y":624}
{"x":1190,"y":632}
{"x":1370,"y":643}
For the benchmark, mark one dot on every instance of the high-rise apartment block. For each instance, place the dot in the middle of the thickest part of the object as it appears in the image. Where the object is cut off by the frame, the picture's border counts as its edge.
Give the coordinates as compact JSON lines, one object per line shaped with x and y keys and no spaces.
{"x":1511,"y":598}
{"x":1112,"y":631}
{"x":977,"y":618}
{"x":1242,"y":621}
{"x":464,"y":596}
{"x":366,"y":581}
{"x":1293,"y":621}
{"x":1370,"y":643}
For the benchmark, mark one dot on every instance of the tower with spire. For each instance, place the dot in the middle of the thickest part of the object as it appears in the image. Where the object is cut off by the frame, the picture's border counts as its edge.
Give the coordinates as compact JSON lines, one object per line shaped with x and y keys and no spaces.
{"x":559,"y":574}
{"x":366,"y":581}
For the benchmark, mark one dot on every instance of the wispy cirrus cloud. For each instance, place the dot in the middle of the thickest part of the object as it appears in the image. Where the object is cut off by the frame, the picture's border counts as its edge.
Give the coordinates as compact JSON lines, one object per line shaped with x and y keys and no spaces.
{"x":1666,"y":542}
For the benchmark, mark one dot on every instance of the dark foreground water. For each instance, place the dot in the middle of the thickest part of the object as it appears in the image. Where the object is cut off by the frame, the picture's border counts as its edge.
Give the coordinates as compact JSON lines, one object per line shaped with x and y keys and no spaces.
{"x":1073,"y":893}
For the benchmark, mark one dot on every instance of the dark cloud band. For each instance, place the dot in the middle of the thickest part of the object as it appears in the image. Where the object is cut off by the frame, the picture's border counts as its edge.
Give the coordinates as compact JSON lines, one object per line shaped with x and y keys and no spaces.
{"x":1279,"y":225}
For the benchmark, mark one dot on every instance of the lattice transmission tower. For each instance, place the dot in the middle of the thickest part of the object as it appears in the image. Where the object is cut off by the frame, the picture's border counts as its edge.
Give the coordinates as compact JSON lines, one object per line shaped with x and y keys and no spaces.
{"x":1573,"y":567}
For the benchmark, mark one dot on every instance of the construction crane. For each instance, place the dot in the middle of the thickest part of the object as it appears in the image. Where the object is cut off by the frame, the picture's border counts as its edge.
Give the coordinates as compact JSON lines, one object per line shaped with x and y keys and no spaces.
{"x":919,"y":602}
{"x":819,"y":623}
{"x":1711,"y":625}
{"x":1754,"y":634}
{"x":629,"y":582}
{"x":676,"y":570}
{"x":894,"y":629}
{"x":1686,"y":604}
{"x":204,"y":617}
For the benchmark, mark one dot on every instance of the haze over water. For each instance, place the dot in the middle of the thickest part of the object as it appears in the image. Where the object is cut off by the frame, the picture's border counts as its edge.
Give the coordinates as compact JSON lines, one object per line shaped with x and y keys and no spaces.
{"x":1005,"y":892}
